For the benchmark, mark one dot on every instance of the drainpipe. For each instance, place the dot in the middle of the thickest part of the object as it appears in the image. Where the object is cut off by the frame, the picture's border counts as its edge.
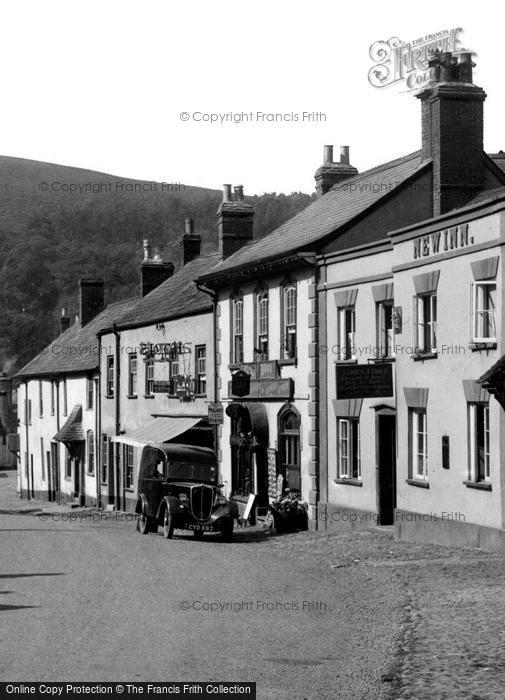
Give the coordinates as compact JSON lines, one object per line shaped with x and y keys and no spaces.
{"x":213,"y":295}
{"x":27,"y":451}
{"x":98,"y":437}
{"x":117,"y":406}
{"x":56,"y":467}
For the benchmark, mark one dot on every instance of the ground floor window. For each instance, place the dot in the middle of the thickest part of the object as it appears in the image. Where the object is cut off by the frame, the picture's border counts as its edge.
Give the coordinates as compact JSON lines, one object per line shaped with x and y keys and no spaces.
{"x":68,"y":465}
{"x":91,"y":451}
{"x":418,"y":439}
{"x":105,"y":458}
{"x":129,"y":454}
{"x":348,"y":449}
{"x":478,"y":433}
{"x":289,"y":448}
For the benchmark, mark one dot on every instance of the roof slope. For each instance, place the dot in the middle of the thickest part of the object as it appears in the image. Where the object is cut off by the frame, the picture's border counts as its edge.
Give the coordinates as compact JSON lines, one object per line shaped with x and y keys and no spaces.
{"x":177,"y":296}
{"x":75,"y":350}
{"x":337,"y":207}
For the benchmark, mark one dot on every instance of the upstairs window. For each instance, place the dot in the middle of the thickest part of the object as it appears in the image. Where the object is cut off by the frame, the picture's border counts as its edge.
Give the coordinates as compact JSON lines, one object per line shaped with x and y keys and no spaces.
{"x":41,"y":400}
{"x":173,"y":371}
{"x":65,"y":398}
{"x":149,"y":376}
{"x":109,"y":389}
{"x":425,"y":323}
{"x":237,"y":331}
{"x":200,"y":370}
{"x":346,"y":333}
{"x":262,"y":325}
{"x":385,"y":329}
{"x":52,"y":398}
{"x":90,"y":393}
{"x":289,"y":322}
{"x":483,"y":310}
{"x":132,"y":374}
{"x":418,"y":444}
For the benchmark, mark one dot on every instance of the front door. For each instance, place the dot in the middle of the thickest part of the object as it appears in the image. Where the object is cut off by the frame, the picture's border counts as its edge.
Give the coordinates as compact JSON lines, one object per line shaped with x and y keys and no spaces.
{"x":55,"y":471}
{"x":386,"y":458}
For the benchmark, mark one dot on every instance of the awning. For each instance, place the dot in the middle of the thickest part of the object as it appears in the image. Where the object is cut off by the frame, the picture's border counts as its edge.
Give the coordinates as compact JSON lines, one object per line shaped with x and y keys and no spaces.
{"x":72,"y":429}
{"x":158,"y":430}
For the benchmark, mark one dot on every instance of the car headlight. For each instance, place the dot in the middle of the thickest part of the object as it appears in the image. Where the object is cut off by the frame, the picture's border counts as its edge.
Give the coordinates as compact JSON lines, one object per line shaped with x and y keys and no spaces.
{"x":183,"y":497}
{"x":221,"y":501}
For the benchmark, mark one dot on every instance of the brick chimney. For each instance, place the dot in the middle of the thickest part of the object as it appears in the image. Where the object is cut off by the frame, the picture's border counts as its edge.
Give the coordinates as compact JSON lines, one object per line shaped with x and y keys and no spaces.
{"x":330,"y":173}
{"x":90,"y":299}
{"x":234,"y":221}
{"x":64,"y":321}
{"x":452,"y":110}
{"x":191,"y":242}
{"x":153,"y":270}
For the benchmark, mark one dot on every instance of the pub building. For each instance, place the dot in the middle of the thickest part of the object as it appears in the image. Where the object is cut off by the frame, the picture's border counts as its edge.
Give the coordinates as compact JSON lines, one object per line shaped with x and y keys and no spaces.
{"x":156,"y":369}
{"x":448,"y":282}
{"x":379,"y":313}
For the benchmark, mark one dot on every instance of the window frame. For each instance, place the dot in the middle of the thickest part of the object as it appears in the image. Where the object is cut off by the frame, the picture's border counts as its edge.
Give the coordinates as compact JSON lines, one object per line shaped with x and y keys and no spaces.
{"x":261,"y":323}
{"x":109,"y":377}
{"x":352,"y":470}
{"x":428,"y":329}
{"x":346,"y":343}
{"x":149,"y":375}
{"x":236,"y":329}
{"x":90,"y":393}
{"x":132,"y":374}
{"x":475,"y":476}
{"x":414,"y":433}
{"x":289,"y":321}
{"x":475,"y":289}
{"x":385,"y":335}
{"x":129,"y":465}
{"x":90,"y":452}
{"x":201,"y":374}
{"x":41,"y":399}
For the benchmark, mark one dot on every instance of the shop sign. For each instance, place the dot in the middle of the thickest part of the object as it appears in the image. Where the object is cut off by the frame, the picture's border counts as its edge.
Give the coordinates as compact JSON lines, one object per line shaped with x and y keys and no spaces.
{"x":364,"y":381}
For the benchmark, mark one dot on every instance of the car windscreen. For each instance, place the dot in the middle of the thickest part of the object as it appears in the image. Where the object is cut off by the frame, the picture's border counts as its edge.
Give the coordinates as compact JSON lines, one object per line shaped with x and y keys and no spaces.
{"x":189,"y":471}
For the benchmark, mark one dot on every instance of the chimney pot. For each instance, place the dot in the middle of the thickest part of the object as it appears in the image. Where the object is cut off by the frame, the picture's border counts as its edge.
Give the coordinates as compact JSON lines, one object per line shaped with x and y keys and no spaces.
{"x":446,"y":66}
{"x":147,"y":249}
{"x":328,"y":155}
{"x":239,"y":193}
{"x":465,"y":67}
{"x":344,"y":155}
{"x":64,"y":321}
{"x":226,"y":193}
{"x":188,"y":226}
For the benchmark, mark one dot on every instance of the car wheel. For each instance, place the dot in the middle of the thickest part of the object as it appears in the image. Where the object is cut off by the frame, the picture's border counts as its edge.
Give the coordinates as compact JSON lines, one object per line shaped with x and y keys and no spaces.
{"x":198,"y":534}
{"x":227,"y":529}
{"x":168,"y":525}
{"x":143,"y":524}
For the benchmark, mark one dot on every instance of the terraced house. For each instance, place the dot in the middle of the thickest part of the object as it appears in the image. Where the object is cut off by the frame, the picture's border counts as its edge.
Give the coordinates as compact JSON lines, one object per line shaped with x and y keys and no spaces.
{"x":59,"y":406}
{"x":156,"y":369}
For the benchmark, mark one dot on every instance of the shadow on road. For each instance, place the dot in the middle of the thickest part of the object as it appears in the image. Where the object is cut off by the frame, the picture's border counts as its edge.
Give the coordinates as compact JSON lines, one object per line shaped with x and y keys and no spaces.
{"x":34,"y":574}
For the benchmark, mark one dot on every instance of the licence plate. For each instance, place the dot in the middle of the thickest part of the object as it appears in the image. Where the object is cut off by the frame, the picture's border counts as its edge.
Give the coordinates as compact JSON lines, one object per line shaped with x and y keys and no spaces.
{"x":202,"y":528}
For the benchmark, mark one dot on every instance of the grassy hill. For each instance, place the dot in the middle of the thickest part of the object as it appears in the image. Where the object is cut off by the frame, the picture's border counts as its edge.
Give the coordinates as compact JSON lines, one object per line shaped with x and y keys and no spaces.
{"x":59,"y":223}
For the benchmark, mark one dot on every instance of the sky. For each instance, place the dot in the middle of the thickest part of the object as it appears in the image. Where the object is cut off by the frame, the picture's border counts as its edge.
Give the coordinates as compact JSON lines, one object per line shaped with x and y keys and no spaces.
{"x":127,"y":88}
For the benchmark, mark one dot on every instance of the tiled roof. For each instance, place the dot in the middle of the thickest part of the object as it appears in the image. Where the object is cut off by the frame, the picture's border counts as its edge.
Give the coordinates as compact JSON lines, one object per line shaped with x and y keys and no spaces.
{"x":337,"y":207}
{"x":75,"y":350}
{"x":175,"y":297}
{"x":72,"y":430}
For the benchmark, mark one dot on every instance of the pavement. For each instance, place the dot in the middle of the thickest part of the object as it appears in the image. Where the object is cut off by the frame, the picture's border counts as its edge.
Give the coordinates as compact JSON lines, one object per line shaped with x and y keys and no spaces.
{"x":306,"y":615}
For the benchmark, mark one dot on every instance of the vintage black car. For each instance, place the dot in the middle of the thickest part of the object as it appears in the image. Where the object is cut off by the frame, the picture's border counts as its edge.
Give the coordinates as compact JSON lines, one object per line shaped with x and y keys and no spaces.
{"x":177,"y":488}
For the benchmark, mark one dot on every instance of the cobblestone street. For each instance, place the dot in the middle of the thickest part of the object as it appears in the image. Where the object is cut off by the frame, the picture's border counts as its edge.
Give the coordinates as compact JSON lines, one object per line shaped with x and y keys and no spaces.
{"x":403,"y":621}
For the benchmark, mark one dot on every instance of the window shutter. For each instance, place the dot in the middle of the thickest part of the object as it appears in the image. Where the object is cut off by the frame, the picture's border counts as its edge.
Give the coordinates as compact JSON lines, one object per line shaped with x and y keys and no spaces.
{"x":414,"y":323}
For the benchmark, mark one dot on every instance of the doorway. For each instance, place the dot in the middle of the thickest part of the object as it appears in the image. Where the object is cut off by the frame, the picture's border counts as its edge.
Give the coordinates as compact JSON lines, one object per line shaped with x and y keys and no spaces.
{"x":386,"y":465}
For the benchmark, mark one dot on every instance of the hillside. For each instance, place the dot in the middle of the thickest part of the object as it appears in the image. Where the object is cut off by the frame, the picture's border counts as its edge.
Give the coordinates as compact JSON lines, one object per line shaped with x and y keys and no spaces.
{"x":50,"y":236}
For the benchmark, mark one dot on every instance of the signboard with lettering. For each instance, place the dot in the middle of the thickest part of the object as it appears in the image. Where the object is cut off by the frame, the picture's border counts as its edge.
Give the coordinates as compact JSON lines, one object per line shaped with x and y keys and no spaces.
{"x":364,"y":381}
{"x":162,"y":387}
{"x":272,"y":472}
{"x":216,"y":414}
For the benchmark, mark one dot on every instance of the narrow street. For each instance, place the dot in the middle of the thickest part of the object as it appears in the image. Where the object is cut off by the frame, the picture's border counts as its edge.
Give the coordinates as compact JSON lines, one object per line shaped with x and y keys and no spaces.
{"x":306,"y":616}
